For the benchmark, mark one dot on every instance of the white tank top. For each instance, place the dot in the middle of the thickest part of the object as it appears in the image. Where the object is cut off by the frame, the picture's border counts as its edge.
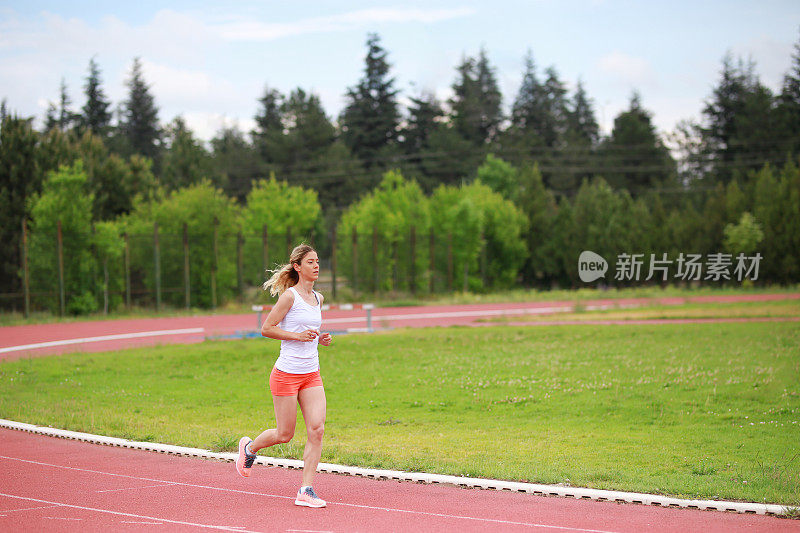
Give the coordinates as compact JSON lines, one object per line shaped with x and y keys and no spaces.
{"x":299,"y":357}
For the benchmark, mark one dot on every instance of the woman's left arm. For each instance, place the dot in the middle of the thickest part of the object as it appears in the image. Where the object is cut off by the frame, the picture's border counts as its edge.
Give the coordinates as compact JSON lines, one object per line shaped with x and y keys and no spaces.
{"x":326,"y":338}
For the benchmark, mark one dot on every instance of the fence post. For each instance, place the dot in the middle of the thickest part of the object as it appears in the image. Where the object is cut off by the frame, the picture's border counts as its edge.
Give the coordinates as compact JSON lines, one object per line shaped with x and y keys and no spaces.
{"x":214,"y":268}
{"x":265,"y":250}
{"x":105,"y":285}
{"x":60,"y":251}
{"x":355,"y":259}
{"x":157,"y":261}
{"x":25,"y":278}
{"x":432,"y":266}
{"x":95,"y":253}
{"x":450,"y":262}
{"x":333,"y":261}
{"x":413,"y":260}
{"x":483,"y":261}
{"x":240,"y":264}
{"x":394,"y":266}
{"x":375,"y":259}
{"x":187,"y":284}
{"x":127,"y":271}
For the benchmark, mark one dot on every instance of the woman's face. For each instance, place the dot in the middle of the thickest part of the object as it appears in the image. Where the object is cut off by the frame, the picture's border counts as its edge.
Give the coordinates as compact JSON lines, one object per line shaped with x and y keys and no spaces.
{"x":308,"y":267}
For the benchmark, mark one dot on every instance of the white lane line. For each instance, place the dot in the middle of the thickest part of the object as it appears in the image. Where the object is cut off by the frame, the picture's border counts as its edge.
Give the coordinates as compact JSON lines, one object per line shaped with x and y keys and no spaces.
{"x":358,"y":506}
{"x":61,"y":518}
{"x":102,"y":338}
{"x":28,"y":509}
{"x":493,"y":484}
{"x":135,"y":488}
{"x":492,"y":520}
{"x":207,"y":526}
{"x":138,"y":522}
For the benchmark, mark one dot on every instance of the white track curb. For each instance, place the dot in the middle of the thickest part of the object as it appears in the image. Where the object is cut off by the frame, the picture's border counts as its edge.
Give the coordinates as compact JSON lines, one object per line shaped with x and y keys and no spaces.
{"x":534,"y":488}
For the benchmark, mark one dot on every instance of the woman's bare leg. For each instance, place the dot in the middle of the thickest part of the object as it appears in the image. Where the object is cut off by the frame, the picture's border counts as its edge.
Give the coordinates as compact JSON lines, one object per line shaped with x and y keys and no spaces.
{"x":313,"y":405}
{"x":285,"y":417}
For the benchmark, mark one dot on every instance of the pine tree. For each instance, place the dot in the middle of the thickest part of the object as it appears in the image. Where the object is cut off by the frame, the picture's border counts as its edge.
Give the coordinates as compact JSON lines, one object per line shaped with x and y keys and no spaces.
{"x":60,"y":115}
{"x":371,"y":116}
{"x":450,"y":157}
{"x":574,"y":159}
{"x":555,"y":117}
{"x":268,"y":134}
{"x":528,"y":110}
{"x":236,"y":162}
{"x":789,"y":107}
{"x":476,"y":101}
{"x":539,"y":127}
{"x":742,"y":123}
{"x":66,"y":117}
{"x":186,"y":161}
{"x":727,"y":101}
{"x":313,"y":158}
{"x":464,"y":105}
{"x":582,"y":128}
{"x":292,"y":133}
{"x":307,"y":130}
{"x":140,"y":115}
{"x":21,"y":177}
{"x":51,"y":117}
{"x":490,"y":99}
{"x":96,"y":115}
{"x":422,"y":120}
{"x":635,"y":158}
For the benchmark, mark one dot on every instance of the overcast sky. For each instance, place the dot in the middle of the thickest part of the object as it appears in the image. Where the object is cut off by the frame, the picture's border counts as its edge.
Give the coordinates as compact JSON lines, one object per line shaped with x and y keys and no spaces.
{"x":210,"y":61}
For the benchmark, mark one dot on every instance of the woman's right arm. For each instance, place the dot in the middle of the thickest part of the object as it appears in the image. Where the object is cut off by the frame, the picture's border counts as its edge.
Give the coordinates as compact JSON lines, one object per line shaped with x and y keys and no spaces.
{"x":270,"y":327}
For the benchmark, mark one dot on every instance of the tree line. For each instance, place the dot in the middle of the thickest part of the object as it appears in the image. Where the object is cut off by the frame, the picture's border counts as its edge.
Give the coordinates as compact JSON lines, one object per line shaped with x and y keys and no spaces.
{"x":546,"y":158}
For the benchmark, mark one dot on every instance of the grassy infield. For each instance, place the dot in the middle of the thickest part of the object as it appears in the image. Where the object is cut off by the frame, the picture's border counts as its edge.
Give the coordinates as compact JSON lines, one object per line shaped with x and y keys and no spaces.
{"x":699,"y":410}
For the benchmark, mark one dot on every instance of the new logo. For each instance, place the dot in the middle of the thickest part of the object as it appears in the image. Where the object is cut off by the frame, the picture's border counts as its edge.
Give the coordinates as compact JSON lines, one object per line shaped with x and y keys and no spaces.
{"x":591,"y":266}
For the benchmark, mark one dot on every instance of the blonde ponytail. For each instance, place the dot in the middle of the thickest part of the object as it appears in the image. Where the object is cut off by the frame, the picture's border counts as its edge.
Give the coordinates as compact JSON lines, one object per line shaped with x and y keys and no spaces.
{"x":286,"y":276}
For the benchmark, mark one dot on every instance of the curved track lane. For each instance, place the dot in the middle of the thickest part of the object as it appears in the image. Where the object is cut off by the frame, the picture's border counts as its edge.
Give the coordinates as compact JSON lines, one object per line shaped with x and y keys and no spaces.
{"x":51,"y":484}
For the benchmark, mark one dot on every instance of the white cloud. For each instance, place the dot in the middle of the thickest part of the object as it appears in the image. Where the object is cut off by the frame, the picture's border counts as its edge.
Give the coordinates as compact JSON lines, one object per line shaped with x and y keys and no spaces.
{"x":206,"y":125}
{"x":167,"y":34}
{"x":37,"y":51}
{"x":191,"y":93}
{"x":772,"y":57}
{"x":627,"y":69}
{"x":247,"y":30}
{"x":181,"y":55}
{"x":185,"y":87}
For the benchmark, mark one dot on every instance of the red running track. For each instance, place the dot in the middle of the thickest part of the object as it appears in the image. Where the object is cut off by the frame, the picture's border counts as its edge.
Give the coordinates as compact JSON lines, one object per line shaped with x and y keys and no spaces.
{"x":49,"y":484}
{"x":219,"y":325}
{"x":53,"y":484}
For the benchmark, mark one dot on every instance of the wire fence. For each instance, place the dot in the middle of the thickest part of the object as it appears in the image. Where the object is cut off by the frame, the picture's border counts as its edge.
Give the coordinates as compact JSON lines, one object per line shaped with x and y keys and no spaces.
{"x":65,"y":273}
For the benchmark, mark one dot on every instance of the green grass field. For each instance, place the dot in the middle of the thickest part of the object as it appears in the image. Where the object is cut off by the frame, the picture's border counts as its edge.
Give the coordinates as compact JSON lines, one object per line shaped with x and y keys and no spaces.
{"x":698,"y":410}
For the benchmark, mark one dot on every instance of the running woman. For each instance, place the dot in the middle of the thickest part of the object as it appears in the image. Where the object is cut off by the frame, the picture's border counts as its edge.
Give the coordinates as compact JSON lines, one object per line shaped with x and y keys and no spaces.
{"x":295,"y":320}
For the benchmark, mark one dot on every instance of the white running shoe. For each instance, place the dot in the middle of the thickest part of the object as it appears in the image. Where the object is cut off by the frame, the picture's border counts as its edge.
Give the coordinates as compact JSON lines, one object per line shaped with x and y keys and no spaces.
{"x":308,"y":498}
